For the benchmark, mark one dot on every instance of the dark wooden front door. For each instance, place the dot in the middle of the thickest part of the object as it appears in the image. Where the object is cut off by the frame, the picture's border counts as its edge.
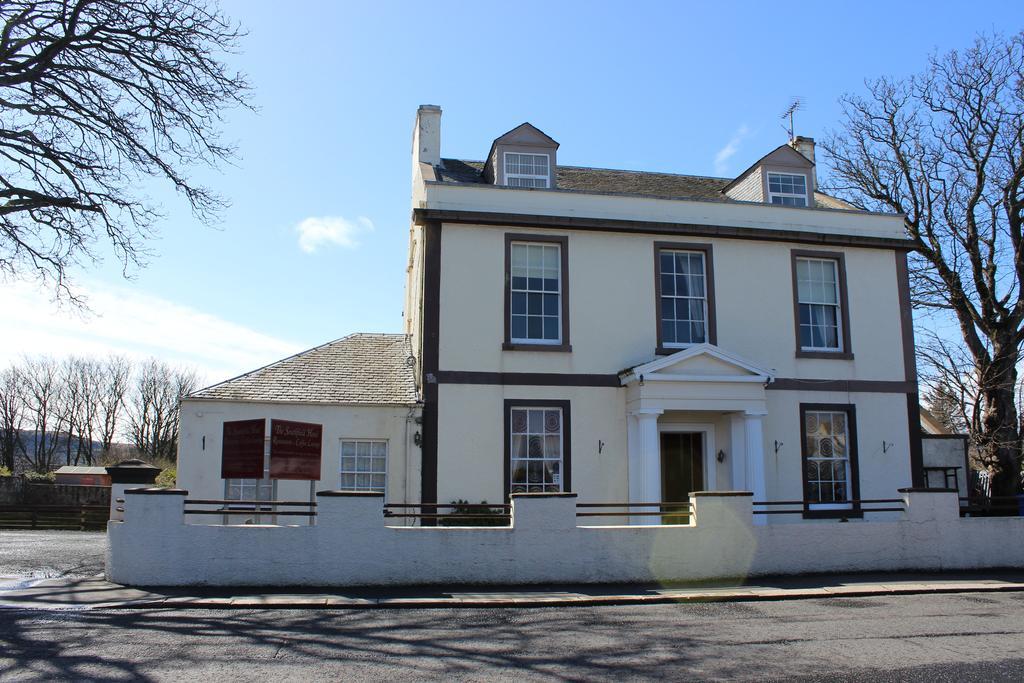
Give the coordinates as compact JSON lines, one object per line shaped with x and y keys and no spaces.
{"x":682,"y":471}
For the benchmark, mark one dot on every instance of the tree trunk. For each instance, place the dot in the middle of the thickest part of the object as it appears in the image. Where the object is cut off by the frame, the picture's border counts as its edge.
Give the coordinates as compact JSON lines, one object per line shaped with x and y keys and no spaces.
{"x":1001,"y":447}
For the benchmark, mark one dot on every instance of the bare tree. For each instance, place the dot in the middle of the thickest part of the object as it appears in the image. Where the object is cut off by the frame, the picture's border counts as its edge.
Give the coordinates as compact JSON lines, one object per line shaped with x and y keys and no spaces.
{"x":97,"y":95}
{"x":946,"y":149}
{"x":12,"y":417}
{"x":154,"y":410}
{"x":42,"y":398}
{"x":116,"y":375}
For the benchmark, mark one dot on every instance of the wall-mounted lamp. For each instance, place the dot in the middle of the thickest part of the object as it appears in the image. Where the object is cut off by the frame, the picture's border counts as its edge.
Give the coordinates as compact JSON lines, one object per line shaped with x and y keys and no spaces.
{"x":721,"y":456}
{"x":417,"y":439}
{"x":641,"y":380}
{"x":600,"y":446}
{"x":886,"y":446}
{"x":204,"y":442}
{"x":778,"y":445}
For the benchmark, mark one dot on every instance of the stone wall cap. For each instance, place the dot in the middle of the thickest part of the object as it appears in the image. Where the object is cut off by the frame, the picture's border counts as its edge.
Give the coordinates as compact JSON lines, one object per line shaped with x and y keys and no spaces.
{"x":350,"y":494}
{"x":921,"y":489}
{"x":543,"y":495}
{"x":155,"y":491}
{"x":722,"y":494}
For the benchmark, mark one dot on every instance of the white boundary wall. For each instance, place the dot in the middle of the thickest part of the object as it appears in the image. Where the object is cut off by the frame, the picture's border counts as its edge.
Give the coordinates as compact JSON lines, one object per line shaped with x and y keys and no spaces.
{"x":351,"y":546}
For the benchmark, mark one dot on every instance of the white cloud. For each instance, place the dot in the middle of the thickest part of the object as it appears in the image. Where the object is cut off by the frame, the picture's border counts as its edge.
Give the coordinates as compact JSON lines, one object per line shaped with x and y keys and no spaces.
{"x":726,"y":153}
{"x":133,"y":323}
{"x":315,"y":232}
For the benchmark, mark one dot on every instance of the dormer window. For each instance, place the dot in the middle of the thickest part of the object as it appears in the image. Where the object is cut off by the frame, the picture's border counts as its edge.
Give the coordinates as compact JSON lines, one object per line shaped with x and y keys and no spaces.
{"x":787,"y":189}
{"x":527,"y":170}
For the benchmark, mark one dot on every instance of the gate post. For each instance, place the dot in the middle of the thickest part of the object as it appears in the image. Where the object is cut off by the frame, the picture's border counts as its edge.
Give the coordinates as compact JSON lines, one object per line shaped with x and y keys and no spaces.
{"x":128,"y":474}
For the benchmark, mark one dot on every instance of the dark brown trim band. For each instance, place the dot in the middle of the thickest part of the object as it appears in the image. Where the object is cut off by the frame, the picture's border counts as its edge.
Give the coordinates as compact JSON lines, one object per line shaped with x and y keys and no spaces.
{"x":658,"y":228}
{"x":867,"y":386}
{"x":536,"y":379}
{"x":709,"y":293}
{"x":557,"y":379}
{"x":430,"y":362}
{"x":566,"y":473}
{"x":910,"y":371}
{"x":563,"y":243}
{"x":846,"y":353}
{"x":853,"y":493}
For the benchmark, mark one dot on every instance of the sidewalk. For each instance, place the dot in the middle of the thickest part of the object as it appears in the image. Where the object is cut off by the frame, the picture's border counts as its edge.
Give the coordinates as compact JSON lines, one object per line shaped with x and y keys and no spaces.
{"x":95,"y":593}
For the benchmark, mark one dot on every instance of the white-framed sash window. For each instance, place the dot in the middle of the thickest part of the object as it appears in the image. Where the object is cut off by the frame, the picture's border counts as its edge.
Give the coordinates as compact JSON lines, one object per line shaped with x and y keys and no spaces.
{"x":535,"y":293}
{"x":536,"y":450}
{"x":364,"y":465}
{"x":527,"y":170}
{"x":787,"y":189}
{"x":817,"y":283}
{"x":827,"y":470}
{"x":684,"y":297}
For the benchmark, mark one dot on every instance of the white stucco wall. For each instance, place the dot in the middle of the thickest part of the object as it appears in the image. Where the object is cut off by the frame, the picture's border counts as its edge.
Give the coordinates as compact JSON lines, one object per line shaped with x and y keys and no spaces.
{"x":350,"y":546}
{"x":199,"y":468}
{"x":478,"y":197}
{"x":471,"y":447}
{"x":612,"y":318}
{"x":471,"y":441}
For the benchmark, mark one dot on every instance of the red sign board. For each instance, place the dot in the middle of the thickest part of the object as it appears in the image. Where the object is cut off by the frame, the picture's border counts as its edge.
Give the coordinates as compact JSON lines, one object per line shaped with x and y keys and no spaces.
{"x":242,"y":449}
{"x":295,"y":449}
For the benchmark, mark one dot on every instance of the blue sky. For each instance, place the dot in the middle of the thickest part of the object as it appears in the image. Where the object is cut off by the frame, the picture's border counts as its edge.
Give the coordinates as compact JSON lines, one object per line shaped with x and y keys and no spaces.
{"x":688,"y":87}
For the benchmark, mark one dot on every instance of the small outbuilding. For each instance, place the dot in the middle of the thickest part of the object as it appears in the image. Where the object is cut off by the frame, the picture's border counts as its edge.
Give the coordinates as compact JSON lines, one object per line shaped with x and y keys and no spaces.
{"x":359,"y":395}
{"x":76,"y":475}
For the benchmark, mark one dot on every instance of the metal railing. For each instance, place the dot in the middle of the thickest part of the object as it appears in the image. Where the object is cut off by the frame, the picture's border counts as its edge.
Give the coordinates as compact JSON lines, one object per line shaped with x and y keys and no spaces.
{"x":666,"y":513}
{"x":255,"y":510}
{"x":992,"y":506}
{"x":813,"y":508}
{"x":452,"y":514}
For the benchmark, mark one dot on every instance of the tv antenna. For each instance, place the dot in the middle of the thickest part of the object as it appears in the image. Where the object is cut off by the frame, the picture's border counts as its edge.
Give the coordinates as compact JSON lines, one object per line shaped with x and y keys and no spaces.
{"x":794,"y":106}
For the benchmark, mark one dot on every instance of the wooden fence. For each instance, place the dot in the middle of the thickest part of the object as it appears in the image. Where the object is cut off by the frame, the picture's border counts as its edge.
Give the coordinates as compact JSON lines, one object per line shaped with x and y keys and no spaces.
{"x":67,"y":517}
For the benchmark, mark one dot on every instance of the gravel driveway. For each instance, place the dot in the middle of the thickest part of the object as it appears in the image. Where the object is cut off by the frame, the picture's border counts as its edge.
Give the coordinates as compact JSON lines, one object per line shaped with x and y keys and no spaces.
{"x":50,"y":554}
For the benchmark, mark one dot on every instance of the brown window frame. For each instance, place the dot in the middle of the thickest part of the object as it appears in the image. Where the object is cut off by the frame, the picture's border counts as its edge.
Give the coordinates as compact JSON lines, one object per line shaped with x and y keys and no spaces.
{"x":846,"y":352}
{"x":854,"y":511}
{"x":709,"y":276}
{"x":564,"y":405}
{"x":563,"y":242}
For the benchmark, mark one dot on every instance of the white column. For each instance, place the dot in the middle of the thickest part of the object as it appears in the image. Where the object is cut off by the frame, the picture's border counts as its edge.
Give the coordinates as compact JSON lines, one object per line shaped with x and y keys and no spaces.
{"x":635,"y":462}
{"x":754,"y":437}
{"x":650,"y":456}
{"x":738,"y":452}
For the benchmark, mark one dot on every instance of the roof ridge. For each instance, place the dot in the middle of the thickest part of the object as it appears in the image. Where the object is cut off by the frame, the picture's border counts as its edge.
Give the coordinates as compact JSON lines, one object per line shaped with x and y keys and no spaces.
{"x":604,"y":168}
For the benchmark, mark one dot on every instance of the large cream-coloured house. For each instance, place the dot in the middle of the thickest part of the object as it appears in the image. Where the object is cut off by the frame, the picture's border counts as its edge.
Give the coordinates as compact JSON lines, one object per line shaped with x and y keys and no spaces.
{"x":627,"y":336}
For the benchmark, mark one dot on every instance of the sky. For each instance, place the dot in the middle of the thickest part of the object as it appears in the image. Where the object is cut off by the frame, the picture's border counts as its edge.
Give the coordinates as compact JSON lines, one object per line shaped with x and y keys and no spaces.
{"x":314,"y":243}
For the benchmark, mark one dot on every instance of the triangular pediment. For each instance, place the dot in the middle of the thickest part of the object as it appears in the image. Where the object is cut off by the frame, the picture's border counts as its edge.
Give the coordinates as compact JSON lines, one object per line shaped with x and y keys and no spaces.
{"x":700,"y":363}
{"x":526,"y":134}
{"x":781,"y":156}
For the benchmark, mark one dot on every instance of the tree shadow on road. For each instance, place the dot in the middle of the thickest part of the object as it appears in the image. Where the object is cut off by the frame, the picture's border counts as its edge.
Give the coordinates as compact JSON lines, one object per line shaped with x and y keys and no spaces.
{"x":577,"y":644}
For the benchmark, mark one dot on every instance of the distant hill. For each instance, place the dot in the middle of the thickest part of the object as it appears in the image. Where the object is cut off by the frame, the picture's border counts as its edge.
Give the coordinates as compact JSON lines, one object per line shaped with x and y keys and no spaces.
{"x":119,"y":451}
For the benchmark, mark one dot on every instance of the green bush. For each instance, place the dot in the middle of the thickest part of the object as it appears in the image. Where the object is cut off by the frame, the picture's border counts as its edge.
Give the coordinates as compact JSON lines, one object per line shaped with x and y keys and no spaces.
{"x":168,"y":478}
{"x":6,"y":472}
{"x":40,"y":477}
{"x":461,"y":508}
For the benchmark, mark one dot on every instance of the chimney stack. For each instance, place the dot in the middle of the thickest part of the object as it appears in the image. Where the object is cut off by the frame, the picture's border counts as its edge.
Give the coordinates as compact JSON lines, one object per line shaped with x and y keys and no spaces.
{"x":426,"y":136}
{"x":806,"y":147}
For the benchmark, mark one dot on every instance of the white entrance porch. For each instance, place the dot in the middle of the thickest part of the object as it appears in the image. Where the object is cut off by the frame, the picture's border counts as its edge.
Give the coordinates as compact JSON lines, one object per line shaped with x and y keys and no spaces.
{"x":699,"y":390}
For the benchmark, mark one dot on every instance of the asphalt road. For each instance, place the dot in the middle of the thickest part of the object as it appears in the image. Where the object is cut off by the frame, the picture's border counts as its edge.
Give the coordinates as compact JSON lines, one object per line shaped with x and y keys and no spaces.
{"x":51,"y":554}
{"x":934,"y":638}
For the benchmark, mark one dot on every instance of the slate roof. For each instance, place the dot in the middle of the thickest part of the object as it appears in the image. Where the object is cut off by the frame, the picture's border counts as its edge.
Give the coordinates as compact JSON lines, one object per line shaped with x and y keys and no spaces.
{"x":612,"y":181}
{"x":365,"y":369}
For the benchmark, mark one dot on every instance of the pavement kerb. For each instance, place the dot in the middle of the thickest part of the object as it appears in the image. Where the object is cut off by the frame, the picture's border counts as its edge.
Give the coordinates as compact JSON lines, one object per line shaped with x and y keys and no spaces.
{"x":668,"y":596}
